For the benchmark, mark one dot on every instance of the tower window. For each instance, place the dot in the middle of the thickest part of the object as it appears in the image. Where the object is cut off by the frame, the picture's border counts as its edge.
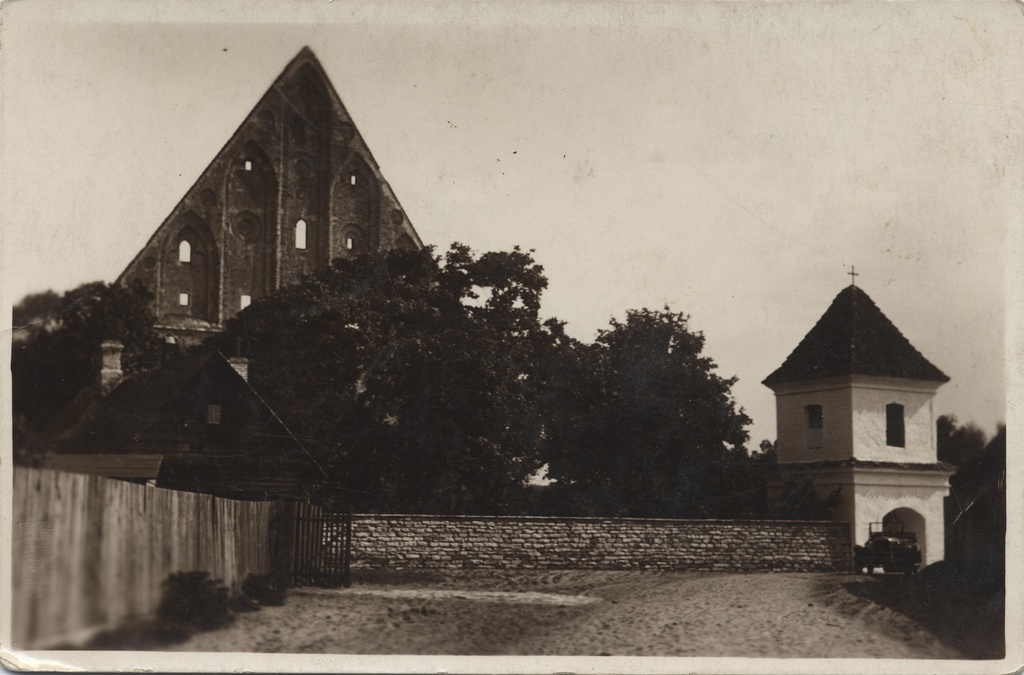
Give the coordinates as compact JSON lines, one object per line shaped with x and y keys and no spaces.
{"x":815,"y":423}
{"x":300,"y":234}
{"x":184,"y":251}
{"x":350,"y":242}
{"x":352,"y":179}
{"x":213,"y":414}
{"x":245,"y":301}
{"x":815,"y":417}
{"x":895,"y":429}
{"x":248,"y":165}
{"x":183,"y":299}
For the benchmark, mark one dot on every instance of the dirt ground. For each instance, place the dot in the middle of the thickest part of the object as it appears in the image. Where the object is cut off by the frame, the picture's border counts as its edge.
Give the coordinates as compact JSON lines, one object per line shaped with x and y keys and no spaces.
{"x":592,"y":613}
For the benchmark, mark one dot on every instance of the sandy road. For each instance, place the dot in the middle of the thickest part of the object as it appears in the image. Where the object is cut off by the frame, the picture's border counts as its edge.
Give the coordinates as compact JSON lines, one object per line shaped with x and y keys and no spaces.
{"x":585,"y":613}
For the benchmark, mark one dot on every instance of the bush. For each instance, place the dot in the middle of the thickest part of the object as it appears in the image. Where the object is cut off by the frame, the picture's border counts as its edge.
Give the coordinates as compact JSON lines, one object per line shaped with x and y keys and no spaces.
{"x":193,"y":599}
{"x":266,"y":589}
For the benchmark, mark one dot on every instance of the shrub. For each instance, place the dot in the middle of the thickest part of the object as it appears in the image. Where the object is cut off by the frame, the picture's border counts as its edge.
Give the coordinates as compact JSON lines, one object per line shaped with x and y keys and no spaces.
{"x":266,"y":589}
{"x":193,"y":599}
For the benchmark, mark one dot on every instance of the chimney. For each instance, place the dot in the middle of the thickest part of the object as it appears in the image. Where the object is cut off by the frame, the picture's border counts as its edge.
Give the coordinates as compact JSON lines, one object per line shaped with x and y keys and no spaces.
{"x":110,"y":370}
{"x":241,"y":366}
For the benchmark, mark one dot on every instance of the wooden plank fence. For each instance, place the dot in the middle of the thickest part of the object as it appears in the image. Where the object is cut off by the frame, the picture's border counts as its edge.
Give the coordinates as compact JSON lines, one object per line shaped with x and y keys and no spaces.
{"x":90,"y":551}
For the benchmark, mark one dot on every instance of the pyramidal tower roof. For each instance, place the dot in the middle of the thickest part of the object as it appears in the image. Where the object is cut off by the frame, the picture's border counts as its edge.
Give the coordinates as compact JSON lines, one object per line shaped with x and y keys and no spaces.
{"x":854,"y":337}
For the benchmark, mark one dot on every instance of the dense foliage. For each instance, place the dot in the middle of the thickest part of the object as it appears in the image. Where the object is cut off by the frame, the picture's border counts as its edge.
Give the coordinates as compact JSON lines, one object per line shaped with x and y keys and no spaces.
{"x":645,"y":427}
{"x":958,"y":444}
{"x":407,"y":374}
{"x":56,"y":346}
{"x":429,"y":384}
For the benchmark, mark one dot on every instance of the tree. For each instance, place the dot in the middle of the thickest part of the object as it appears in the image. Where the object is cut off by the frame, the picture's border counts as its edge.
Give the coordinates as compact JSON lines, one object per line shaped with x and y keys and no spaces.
{"x":958,"y":444}
{"x":411,"y":377}
{"x":35,"y":308}
{"x":58,"y":350}
{"x":976,"y":526}
{"x":657,"y":432}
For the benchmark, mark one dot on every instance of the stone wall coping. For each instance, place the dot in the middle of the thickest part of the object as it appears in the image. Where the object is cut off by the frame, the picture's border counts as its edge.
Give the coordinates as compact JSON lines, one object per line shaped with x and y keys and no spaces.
{"x":594,"y":520}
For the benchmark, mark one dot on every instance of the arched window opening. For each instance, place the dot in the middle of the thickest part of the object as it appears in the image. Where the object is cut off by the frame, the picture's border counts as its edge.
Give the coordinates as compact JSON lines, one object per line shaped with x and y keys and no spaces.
{"x":895,"y":427}
{"x":352,"y":179}
{"x":248,"y":165}
{"x":300,"y":234}
{"x":183,"y":299}
{"x":815,"y":424}
{"x":184,"y":251}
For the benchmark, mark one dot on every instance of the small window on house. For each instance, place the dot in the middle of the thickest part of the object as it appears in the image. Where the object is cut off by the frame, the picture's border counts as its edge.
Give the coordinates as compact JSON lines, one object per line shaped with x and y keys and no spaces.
{"x":213,"y":414}
{"x":184,"y":251}
{"x":300,"y":234}
{"x":815,"y":423}
{"x":895,"y":431}
{"x":183,"y":299}
{"x":245,"y":302}
{"x":248,"y":165}
{"x":352,"y":179}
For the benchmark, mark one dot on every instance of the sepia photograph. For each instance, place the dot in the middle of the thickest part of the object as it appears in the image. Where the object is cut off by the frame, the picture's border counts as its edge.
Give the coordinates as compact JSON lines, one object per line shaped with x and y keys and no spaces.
{"x":510,"y":337}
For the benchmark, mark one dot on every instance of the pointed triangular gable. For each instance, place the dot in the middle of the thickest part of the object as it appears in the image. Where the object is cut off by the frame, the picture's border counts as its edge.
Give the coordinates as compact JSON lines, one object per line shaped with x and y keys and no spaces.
{"x":294,"y":188}
{"x":853,"y":337}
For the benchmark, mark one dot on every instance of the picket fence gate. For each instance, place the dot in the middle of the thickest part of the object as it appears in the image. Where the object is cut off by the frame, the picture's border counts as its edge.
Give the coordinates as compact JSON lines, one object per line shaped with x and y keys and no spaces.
{"x":321,"y":547}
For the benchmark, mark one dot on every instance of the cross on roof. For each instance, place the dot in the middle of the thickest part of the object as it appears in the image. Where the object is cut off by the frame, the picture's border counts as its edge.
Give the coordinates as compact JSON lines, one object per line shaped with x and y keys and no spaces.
{"x":853,"y":276}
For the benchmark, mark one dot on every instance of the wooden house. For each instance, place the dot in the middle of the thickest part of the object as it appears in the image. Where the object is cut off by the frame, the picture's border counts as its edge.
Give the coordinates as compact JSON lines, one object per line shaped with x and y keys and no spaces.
{"x":193,"y":424}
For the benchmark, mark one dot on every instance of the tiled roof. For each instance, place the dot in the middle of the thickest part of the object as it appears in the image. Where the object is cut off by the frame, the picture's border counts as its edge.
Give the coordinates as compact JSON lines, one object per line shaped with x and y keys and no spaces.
{"x":853,"y":337}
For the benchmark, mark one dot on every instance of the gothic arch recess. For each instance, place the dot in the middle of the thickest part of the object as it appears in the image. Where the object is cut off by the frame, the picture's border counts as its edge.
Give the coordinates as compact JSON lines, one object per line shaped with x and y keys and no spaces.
{"x":355,"y":206}
{"x":196,"y":280}
{"x":308,"y":109}
{"x":251,"y":215}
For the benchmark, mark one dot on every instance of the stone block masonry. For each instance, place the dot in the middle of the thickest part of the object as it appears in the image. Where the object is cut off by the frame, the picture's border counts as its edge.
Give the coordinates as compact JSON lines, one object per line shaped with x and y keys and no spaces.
{"x":479,"y":542}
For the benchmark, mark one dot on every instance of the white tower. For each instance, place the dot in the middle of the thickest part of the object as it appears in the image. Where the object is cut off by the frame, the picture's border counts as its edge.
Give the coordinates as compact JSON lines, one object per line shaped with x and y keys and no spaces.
{"x":854,"y":411}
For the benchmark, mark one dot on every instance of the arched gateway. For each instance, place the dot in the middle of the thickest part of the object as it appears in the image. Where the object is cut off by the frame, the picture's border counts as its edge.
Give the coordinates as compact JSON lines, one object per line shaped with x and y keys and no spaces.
{"x":854,"y":411}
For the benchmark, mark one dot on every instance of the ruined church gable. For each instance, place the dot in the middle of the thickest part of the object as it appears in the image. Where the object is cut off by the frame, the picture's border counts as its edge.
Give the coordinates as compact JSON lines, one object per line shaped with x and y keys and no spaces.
{"x":294,"y":188}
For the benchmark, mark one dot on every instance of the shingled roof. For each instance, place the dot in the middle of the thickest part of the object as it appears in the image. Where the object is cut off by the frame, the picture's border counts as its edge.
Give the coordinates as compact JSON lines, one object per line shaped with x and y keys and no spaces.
{"x":853,"y":337}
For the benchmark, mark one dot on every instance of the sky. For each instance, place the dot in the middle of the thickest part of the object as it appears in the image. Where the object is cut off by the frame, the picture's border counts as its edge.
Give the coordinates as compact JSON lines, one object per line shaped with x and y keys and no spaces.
{"x":729,"y":160}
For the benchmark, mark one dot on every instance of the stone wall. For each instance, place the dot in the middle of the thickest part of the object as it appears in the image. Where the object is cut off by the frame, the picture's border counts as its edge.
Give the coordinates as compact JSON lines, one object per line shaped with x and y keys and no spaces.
{"x":467,"y":542}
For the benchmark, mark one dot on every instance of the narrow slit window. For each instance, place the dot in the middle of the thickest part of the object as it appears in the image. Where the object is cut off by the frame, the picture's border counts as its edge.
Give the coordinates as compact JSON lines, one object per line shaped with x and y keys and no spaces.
{"x":815,"y":424}
{"x":895,"y":428}
{"x":184,"y":251}
{"x":352,"y":179}
{"x":815,"y":417}
{"x":350,"y":242}
{"x":213,"y":414}
{"x":245,"y":301}
{"x":300,"y":235}
{"x":248,"y":165}
{"x":183,"y":299}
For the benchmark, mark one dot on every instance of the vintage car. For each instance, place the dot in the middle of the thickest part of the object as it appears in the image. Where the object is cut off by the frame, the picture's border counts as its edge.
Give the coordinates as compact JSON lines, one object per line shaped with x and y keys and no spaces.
{"x":888,"y":547}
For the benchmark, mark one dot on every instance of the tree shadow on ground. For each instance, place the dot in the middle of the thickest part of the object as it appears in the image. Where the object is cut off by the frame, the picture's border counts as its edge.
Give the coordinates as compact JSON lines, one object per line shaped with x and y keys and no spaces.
{"x":963,"y":609}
